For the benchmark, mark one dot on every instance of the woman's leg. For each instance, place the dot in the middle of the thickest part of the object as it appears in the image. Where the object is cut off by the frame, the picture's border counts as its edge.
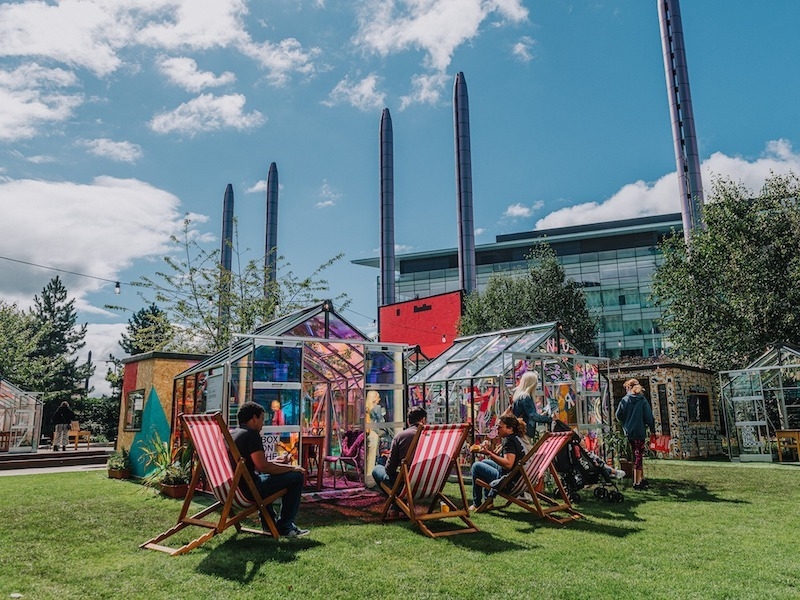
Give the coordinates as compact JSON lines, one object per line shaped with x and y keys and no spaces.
{"x":638,"y":460}
{"x":485,"y":470}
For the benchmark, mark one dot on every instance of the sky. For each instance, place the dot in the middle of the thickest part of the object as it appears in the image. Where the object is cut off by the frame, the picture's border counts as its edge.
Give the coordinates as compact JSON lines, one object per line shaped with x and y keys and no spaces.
{"x":120,"y":117}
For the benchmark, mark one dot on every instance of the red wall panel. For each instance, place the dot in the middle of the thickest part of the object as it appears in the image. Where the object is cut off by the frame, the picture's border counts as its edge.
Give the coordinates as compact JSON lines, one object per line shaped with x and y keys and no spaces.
{"x":422,"y":322}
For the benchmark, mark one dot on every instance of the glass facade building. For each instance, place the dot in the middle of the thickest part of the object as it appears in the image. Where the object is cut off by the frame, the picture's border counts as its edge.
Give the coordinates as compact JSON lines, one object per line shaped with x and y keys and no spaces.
{"x":614,"y":261}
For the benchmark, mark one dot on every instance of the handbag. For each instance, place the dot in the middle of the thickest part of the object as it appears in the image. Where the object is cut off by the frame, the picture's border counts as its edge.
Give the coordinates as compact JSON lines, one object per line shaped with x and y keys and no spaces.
{"x":659,"y":443}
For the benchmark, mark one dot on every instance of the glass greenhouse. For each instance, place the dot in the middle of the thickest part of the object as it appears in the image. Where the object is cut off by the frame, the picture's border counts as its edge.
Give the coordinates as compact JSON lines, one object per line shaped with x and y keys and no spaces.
{"x":762,"y":406}
{"x":473,"y":380}
{"x":20,"y":419}
{"x":321,"y":382}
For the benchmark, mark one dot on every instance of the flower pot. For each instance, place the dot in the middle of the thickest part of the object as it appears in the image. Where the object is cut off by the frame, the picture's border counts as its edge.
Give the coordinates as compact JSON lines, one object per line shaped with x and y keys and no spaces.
{"x":119,"y":473}
{"x":174,"y":491}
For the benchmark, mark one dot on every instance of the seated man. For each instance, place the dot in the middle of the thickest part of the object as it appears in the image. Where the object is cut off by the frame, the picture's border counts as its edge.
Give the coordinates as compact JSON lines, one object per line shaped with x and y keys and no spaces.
{"x":268,"y":476}
{"x":400,"y":444}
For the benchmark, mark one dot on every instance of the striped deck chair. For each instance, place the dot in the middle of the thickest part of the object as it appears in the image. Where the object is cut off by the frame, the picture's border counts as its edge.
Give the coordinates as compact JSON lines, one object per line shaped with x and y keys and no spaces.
{"x":528,"y":473}
{"x":217,"y":454}
{"x":424,"y":471}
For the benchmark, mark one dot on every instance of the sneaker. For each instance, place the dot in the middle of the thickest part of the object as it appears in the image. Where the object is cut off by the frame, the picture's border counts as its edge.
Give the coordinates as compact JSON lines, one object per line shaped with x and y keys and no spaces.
{"x":296,"y":532}
{"x":472,"y":508}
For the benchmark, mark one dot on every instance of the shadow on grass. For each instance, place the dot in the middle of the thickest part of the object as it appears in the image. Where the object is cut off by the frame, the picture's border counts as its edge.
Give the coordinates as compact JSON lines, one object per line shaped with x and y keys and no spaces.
{"x":532,"y":522}
{"x":240,"y":558}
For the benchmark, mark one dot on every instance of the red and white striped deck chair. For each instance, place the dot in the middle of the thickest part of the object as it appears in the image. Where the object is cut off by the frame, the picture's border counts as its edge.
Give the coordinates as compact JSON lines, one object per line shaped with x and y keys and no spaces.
{"x":528,"y":473}
{"x":217,"y":454}
{"x":430,"y":460}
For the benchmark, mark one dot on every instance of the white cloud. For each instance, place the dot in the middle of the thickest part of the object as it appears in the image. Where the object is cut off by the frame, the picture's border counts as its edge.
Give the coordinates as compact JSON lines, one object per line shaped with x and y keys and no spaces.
{"x":95,"y":229}
{"x":523,"y":49}
{"x":361,"y":94}
{"x":94,"y":34}
{"x":329,"y":196}
{"x":79,"y":34}
{"x":31,"y":98}
{"x":521,"y":211}
{"x":641,"y":199}
{"x":196,"y":24}
{"x":480,"y":231}
{"x":183,"y":71}
{"x":119,"y":151}
{"x":281,"y":59}
{"x":425,"y":89}
{"x":258,"y":186}
{"x":437,"y":27}
{"x":207,"y":113}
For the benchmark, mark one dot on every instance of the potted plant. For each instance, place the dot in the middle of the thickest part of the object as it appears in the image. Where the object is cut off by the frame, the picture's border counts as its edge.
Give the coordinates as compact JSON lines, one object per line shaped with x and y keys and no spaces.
{"x":172,"y":471}
{"x":619,"y":449}
{"x":119,"y":464}
{"x":175,"y":480}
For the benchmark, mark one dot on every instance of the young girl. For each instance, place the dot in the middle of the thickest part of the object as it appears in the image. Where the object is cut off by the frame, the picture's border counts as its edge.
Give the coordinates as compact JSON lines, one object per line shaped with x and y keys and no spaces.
{"x":509,"y":428}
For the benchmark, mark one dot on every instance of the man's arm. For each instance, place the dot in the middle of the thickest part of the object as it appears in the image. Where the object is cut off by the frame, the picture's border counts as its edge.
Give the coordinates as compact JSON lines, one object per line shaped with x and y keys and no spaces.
{"x":267,"y":467}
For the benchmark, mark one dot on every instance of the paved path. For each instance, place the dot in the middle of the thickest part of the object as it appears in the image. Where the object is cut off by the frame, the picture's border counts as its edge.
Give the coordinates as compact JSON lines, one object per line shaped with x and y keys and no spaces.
{"x":41,"y":470}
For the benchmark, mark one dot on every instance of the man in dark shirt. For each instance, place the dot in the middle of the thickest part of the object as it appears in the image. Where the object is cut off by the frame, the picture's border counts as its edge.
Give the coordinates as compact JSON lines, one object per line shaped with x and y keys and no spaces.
{"x":400,"y":444}
{"x":268,"y":476}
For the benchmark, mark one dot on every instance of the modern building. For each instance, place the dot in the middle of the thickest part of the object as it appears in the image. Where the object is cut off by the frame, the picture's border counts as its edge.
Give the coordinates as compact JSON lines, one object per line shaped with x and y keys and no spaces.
{"x":614,"y":261}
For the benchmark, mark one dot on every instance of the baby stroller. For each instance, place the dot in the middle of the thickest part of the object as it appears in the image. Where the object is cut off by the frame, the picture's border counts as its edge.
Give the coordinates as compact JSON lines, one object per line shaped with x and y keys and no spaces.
{"x":579,"y":468}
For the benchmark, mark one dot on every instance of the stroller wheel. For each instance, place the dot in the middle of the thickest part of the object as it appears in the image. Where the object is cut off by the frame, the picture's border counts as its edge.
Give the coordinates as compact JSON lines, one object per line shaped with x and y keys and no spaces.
{"x":600,"y":493}
{"x":575,"y":498}
{"x":615,"y":496}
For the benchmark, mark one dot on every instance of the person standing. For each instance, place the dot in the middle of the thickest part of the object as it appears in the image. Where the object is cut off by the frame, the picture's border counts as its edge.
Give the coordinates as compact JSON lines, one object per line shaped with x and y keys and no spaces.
{"x":498,"y":464}
{"x":636,"y":414}
{"x":62,"y":419}
{"x":523,"y":405}
{"x":268,"y":476}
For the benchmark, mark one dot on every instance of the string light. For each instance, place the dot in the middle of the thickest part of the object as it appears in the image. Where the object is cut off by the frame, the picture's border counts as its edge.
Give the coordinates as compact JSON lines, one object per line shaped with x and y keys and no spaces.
{"x":117,"y":284}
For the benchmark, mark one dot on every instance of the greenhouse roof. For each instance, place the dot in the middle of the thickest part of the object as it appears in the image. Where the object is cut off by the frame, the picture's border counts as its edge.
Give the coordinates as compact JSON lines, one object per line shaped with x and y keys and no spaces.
{"x":318,"y":321}
{"x":478,"y":356}
{"x":13,"y":397}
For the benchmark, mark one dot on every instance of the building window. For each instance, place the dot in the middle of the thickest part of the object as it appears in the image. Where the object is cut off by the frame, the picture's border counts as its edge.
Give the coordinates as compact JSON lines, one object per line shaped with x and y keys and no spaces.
{"x":134,"y":403}
{"x":699,"y":408}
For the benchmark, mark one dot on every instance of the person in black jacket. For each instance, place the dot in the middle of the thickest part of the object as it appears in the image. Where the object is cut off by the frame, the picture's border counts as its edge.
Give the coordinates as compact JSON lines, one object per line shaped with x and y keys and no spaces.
{"x":62,"y":419}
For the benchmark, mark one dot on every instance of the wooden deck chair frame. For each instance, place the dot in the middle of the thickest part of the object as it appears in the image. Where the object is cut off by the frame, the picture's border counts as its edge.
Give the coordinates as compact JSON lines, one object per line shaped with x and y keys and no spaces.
{"x":430,"y":459}
{"x":216,"y":455}
{"x":529,"y":472}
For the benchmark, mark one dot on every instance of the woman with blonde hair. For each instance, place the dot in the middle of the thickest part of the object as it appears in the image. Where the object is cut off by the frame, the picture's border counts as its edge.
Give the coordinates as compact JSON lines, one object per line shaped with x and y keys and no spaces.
{"x":523,"y":405}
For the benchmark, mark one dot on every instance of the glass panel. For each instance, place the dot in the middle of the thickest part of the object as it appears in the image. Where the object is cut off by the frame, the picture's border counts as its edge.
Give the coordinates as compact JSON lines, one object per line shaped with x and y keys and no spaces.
{"x":277,"y":363}
{"x":383,"y":367}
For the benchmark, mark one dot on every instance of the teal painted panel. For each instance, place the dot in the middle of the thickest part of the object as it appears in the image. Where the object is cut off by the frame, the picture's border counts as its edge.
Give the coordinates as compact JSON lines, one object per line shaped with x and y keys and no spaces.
{"x":154,"y":422}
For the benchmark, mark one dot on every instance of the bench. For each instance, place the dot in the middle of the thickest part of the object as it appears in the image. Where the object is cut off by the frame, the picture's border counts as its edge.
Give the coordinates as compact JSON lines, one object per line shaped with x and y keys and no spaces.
{"x":79,"y":435}
{"x":788,"y":441}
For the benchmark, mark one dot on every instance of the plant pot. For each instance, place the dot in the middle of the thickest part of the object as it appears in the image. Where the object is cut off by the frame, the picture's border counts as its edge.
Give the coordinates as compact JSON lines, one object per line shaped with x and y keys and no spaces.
{"x":119,"y":473}
{"x":174,"y":491}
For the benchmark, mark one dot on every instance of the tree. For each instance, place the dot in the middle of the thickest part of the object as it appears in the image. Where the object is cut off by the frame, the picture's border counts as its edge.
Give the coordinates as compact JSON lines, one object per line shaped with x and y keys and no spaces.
{"x":58,"y":344}
{"x":148,"y":330}
{"x":736,"y":292}
{"x":540,"y":294}
{"x":20,"y":334}
{"x":206,"y":304}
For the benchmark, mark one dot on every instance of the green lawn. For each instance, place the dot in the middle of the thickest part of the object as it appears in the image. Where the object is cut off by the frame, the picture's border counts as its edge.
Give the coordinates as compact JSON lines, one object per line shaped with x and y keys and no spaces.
{"x":704,"y":530}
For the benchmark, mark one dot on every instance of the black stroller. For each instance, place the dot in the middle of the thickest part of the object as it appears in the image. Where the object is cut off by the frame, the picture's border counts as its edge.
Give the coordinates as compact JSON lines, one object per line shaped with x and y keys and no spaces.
{"x":579,"y":468}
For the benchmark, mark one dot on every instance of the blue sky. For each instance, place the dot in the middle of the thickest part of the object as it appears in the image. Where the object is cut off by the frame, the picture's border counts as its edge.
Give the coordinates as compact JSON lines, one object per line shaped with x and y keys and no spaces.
{"x":117,"y":117}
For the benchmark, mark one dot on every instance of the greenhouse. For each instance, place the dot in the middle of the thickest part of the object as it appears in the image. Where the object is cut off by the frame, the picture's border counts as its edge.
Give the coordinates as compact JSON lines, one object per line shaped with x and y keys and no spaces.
{"x":20,"y":419}
{"x":324,"y":385}
{"x":762,"y":407}
{"x":474,"y":379}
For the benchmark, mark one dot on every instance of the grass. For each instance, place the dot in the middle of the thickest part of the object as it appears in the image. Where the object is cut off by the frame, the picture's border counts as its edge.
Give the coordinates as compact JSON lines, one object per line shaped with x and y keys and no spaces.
{"x":704,"y":530}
